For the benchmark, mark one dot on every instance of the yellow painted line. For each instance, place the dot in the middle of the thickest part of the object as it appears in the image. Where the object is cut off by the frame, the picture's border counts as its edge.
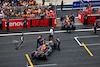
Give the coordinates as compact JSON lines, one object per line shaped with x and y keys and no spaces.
{"x":87,"y":49}
{"x":29,"y":60}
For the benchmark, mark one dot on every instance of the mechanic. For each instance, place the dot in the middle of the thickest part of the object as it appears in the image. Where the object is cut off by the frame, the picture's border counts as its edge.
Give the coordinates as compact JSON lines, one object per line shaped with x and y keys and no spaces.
{"x":39,"y":40}
{"x":95,"y":27}
{"x":51,"y":32}
{"x":22,"y":39}
{"x":21,"y":42}
{"x":34,"y":57}
{"x":58,"y":43}
{"x":67,"y":26}
{"x":73,"y":17}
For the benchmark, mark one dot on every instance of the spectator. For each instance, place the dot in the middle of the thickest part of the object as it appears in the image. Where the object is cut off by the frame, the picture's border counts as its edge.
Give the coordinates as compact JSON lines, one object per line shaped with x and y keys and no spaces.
{"x":50,"y":6}
{"x":99,"y":11}
{"x":24,"y":9}
{"x":1,"y":14}
{"x":84,"y":8}
{"x":43,"y":1}
{"x":12,"y":3}
{"x":89,"y":5}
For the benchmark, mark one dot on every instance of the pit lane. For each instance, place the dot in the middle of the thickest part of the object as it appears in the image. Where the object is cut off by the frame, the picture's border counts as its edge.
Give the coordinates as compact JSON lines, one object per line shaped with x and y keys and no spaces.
{"x":71,"y":54}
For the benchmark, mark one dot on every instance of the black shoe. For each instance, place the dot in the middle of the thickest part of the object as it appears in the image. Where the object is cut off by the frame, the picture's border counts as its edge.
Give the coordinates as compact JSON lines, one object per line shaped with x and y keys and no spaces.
{"x":36,"y":64}
{"x":16,"y":48}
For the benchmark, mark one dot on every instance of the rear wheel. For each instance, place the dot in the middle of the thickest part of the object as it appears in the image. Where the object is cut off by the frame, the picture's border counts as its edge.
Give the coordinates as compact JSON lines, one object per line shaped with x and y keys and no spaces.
{"x":45,"y":57}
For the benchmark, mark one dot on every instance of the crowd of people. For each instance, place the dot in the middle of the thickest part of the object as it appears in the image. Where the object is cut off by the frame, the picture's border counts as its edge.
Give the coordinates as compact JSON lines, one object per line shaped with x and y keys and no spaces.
{"x":25,"y":8}
{"x":89,"y":10}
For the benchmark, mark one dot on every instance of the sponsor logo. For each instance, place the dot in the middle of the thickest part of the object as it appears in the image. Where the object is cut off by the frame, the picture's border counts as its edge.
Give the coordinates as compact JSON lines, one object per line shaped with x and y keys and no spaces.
{"x":12,"y":24}
{"x":79,"y":16}
{"x":55,"y":21}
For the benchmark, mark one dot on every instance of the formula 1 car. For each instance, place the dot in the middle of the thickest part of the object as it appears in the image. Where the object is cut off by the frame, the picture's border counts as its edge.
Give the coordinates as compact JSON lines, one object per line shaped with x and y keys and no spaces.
{"x":44,"y":50}
{"x":67,"y":27}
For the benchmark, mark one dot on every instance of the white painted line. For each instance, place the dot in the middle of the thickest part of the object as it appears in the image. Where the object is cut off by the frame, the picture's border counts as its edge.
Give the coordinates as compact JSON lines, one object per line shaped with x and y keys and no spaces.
{"x":78,"y":41}
{"x":76,"y":38}
{"x":28,"y":33}
{"x":76,"y":17}
{"x":58,"y":18}
{"x":62,"y":31}
{"x":44,"y":65}
{"x":86,"y":29}
{"x":78,"y":24}
{"x":88,"y":36}
{"x":92,"y":44}
{"x":44,"y":32}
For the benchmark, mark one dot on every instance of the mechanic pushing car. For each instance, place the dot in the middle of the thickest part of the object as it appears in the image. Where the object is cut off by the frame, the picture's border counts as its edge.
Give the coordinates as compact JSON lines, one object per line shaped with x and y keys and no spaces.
{"x":58,"y":43}
{"x":35,"y":57}
{"x":40,"y":41}
{"x":67,"y":24}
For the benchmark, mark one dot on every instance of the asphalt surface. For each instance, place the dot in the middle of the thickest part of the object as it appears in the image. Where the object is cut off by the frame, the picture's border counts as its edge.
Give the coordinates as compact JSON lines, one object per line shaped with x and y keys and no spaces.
{"x":67,"y":12}
{"x":71,"y":54}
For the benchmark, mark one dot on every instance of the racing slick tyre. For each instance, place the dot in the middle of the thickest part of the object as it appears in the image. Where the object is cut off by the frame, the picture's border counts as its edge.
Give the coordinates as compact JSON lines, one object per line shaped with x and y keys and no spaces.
{"x":73,"y":27}
{"x":68,"y":28}
{"x":63,"y":27}
{"x":45,"y":57}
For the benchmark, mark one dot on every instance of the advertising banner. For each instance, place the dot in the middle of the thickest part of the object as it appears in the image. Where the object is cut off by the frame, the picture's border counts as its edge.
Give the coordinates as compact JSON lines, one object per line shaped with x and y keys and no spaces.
{"x":40,"y":22}
{"x":80,"y":17}
{"x":15,"y":24}
{"x":19,"y":23}
{"x":43,"y":22}
{"x":85,"y":3}
{"x":54,"y":22}
{"x":80,"y":4}
{"x":95,"y":3}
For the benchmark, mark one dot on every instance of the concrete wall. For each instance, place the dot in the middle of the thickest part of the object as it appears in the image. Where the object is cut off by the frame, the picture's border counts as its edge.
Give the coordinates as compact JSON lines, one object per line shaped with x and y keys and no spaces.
{"x":59,"y":1}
